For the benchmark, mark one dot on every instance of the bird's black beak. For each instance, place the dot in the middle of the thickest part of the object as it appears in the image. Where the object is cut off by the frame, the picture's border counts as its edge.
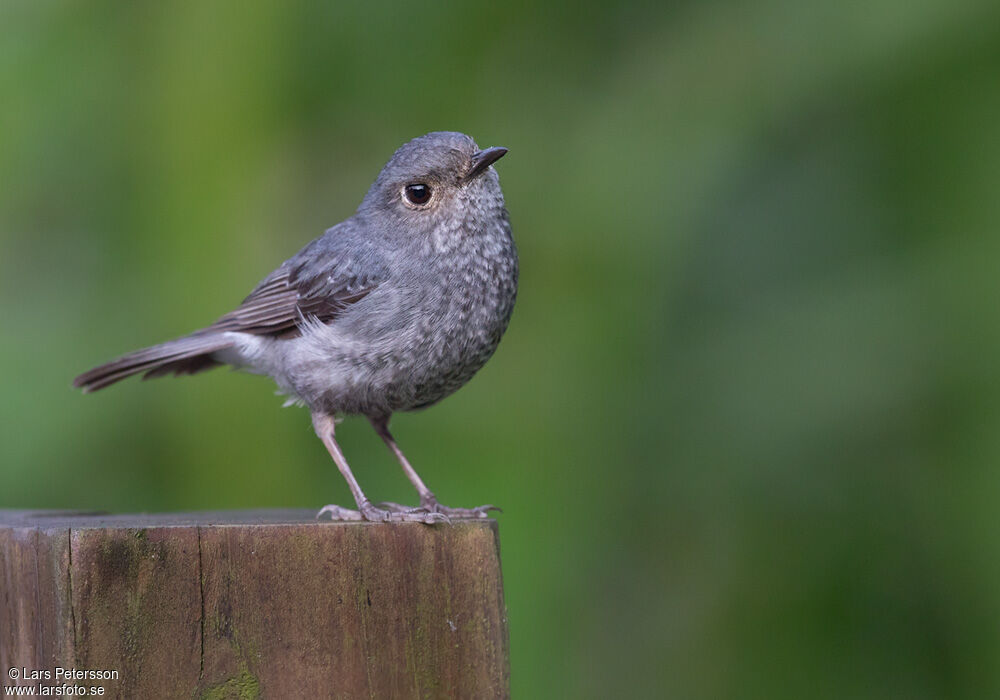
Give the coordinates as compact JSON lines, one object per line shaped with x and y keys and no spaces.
{"x":482,"y":160}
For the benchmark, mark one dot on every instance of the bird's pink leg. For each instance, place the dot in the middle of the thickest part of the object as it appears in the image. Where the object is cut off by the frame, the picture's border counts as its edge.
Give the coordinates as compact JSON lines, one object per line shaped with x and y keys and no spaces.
{"x":325,"y":427}
{"x":428,"y":502}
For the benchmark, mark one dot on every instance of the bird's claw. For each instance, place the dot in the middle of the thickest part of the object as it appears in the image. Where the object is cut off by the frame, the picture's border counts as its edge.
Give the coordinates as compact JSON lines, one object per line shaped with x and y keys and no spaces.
{"x":435,"y":507}
{"x":379,"y":515}
{"x":398,"y":511}
{"x":401,"y":515}
{"x":478,"y":512}
{"x":339,"y":513}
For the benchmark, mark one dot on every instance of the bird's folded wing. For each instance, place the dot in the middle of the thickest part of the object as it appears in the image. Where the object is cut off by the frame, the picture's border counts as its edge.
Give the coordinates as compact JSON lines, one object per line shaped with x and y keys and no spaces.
{"x":317,"y":284}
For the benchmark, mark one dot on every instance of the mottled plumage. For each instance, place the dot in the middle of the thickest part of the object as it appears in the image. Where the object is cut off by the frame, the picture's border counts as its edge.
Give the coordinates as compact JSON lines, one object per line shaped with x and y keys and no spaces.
{"x":391,"y":310}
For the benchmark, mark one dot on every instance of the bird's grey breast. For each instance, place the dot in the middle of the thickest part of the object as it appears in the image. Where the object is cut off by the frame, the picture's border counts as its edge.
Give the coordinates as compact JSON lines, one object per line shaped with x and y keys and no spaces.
{"x":462,"y":297}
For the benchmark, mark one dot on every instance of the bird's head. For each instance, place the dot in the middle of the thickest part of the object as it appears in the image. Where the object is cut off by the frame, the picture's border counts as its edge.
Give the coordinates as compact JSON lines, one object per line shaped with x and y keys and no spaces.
{"x":439,"y":179}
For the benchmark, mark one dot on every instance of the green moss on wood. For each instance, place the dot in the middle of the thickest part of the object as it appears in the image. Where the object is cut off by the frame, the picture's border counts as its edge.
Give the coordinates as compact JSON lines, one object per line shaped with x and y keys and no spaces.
{"x":243,"y":686}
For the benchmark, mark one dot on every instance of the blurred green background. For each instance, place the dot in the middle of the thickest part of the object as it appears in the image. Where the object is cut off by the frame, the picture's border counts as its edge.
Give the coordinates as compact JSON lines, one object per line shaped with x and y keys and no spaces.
{"x":745,"y":424}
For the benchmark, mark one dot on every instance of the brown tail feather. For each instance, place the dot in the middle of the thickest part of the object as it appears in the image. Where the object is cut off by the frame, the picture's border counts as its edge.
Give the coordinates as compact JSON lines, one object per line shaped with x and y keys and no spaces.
{"x":185,"y":355}
{"x":178,"y":368}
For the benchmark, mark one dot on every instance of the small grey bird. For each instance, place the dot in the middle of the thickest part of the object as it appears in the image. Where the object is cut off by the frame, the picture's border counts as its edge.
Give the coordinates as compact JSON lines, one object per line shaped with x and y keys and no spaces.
{"x":391,"y":310}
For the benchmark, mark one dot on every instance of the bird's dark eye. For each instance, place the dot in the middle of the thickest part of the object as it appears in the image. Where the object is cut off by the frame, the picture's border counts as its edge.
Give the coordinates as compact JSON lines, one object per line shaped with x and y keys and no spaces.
{"x":417,"y":193}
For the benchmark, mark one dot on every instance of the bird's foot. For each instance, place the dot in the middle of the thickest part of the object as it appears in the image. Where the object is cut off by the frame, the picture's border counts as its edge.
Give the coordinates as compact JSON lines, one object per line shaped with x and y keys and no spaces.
{"x":433,"y":507}
{"x":370,"y":512}
{"x":464,"y":513}
{"x":339,"y":513}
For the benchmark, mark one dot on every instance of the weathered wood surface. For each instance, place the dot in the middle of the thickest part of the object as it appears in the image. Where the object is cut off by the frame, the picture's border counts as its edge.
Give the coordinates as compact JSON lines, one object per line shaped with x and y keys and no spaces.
{"x":269,"y":604}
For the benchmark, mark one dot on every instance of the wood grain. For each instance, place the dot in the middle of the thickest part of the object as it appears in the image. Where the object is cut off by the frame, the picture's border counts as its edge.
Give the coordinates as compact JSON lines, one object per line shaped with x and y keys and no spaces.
{"x":268,"y":604}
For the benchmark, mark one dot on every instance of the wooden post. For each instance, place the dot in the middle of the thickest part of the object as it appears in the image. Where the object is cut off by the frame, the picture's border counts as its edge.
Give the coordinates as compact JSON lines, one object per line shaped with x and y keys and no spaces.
{"x":270,"y":604}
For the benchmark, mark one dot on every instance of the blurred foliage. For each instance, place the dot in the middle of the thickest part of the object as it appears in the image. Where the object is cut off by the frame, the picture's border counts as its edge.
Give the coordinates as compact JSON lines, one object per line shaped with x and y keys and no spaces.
{"x":745,"y":424}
